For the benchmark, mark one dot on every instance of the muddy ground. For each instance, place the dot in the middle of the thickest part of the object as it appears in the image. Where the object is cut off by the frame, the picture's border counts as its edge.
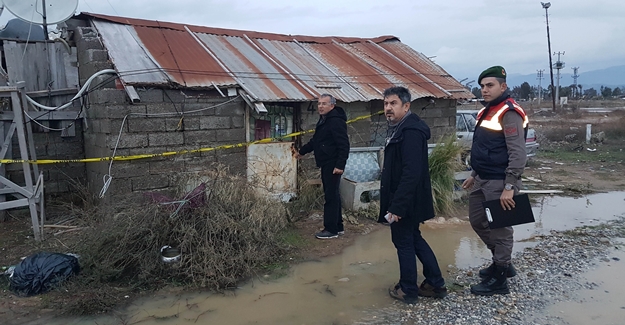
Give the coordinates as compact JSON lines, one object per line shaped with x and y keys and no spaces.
{"x":565,"y":163}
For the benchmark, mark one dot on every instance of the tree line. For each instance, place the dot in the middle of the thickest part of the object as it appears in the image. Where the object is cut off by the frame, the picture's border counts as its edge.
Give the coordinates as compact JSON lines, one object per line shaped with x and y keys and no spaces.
{"x":527,"y":92}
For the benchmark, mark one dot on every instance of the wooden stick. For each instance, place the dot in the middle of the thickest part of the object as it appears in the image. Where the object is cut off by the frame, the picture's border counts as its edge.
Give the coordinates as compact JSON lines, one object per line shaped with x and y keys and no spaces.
{"x":59,"y":226}
{"x":69,"y":230}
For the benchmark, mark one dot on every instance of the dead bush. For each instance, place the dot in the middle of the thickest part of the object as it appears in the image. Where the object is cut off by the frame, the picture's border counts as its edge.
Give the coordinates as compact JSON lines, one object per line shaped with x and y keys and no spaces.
{"x":221,"y":241}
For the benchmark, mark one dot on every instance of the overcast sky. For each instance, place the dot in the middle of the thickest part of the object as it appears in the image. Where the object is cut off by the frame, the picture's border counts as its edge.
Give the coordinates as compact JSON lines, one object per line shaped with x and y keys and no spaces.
{"x":463,"y":36}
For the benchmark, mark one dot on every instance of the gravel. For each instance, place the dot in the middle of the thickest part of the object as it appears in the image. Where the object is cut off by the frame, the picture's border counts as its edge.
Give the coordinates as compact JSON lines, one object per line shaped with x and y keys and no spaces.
{"x":547,"y":273}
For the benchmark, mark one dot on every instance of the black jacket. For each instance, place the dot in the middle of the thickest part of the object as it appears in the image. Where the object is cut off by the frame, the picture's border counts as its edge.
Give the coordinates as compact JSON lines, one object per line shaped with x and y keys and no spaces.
{"x":406,"y":189}
{"x":330,"y":142}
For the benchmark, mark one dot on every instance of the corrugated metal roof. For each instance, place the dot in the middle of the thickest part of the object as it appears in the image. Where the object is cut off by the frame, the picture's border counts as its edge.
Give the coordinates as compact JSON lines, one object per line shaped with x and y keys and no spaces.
{"x":269,"y":67}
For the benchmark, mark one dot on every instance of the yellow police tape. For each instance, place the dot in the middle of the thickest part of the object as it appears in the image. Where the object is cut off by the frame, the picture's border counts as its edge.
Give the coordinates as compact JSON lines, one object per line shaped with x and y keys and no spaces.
{"x":170,"y":153}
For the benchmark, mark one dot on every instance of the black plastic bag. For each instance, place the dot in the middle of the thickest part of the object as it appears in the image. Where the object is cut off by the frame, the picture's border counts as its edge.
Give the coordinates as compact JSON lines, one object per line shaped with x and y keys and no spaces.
{"x":40,"y":272}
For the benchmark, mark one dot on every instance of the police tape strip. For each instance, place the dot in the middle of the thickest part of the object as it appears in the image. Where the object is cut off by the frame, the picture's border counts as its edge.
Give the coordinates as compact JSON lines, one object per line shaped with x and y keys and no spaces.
{"x":171,"y":153}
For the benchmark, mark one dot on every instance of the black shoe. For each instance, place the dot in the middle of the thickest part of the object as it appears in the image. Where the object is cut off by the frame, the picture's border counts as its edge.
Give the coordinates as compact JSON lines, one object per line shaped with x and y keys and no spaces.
{"x":397,"y":293}
{"x":496,"y":284}
{"x":488,"y":271}
{"x":325,"y":235}
{"x":428,"y":290}
{"x":342,"y":232}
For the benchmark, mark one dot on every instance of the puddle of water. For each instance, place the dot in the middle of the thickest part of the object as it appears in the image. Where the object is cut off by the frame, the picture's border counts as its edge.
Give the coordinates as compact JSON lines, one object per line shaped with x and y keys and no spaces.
{"x":564,"y":213}
{"x":339,"y":289}
{"x":604,"y":304}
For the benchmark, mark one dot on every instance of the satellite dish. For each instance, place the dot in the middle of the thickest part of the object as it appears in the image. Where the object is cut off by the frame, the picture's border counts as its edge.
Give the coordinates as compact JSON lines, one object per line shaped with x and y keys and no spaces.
{"x":42,"y":12}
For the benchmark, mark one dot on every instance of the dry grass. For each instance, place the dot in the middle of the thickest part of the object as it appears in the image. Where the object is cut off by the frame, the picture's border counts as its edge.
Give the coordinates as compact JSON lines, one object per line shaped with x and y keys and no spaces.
{"x":223,"y":241}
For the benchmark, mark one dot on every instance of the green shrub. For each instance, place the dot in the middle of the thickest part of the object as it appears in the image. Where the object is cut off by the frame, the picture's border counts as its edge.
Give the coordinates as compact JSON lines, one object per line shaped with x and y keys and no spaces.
{"x":443,"y":162}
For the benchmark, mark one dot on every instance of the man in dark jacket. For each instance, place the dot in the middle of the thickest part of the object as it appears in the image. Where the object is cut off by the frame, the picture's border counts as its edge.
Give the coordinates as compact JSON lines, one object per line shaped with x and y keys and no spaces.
{"x":498,"y":158}
{"x":331,"y":146}
{"x":406,"y":197}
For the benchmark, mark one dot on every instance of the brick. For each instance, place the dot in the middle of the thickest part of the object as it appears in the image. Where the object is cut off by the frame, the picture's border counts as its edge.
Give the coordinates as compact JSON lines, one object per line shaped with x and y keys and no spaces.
{"x":236,"y":161}
{"x":150,"y":182}
{"x":147,"y":151}
{"x":215,"y":122}
{"x":166,"y":138}
{"x":231,"y":136}
{"x":152,"y":95}
{"x":124,"y":169}
{"x":128,"y":140}
{"x":85,"y":32}
{"x":92,"y":55}
{"x":120,"y":111}
{"x":95,"y":111}
{"x":200,"y":137}
{"x":430,"y":113}
{"x":197,"y":164}
{"x":238,"y":122}
{"x":119,"y":188}
{"x":146,"y":124}
{"x":161,"y":108}
{"x":109,"y":96}
{"x":65,"y":151}
{"x":88,"y":69}
{"x":86,"y":43}
{"x":231,"y":109}
{"x":197,"y":109}
{"x":172,"y":95}
{"x":167,"y":166}
{"x":113,"y":126}
{"x":68,"y":171}
{"x":188,"y":123}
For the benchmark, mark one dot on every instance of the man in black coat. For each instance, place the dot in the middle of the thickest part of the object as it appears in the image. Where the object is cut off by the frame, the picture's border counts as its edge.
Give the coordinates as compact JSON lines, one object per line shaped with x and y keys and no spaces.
{"x":331,"y":146}
{"x":406,"y":197}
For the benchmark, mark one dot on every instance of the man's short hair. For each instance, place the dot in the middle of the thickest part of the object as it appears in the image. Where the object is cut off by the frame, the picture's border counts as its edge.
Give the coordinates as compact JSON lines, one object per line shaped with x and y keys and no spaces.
{"x":332,"y":99}
{"x":402,"y":92}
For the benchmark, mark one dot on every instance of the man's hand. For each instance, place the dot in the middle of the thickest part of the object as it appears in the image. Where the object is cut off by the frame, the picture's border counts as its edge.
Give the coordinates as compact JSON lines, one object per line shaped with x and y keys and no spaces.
{"x":337,"y":171}
{"x":468,"y":183}
{"x":393,"y":217}
{"x":507,"y":203}
{"x":297,"y":155}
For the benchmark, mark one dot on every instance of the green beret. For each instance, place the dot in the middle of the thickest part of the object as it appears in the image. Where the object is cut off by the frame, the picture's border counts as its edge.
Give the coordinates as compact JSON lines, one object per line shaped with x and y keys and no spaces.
{"x":496,"y":71}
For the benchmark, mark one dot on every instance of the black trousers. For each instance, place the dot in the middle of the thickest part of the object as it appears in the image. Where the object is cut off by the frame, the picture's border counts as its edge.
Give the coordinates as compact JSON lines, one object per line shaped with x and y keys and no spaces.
{"x":410,"y":245}
{"x":332,"y":215}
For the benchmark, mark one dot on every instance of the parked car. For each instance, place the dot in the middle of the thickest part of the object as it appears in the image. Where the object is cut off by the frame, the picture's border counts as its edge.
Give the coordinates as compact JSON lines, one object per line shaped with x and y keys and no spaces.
{"x":465,"y":126}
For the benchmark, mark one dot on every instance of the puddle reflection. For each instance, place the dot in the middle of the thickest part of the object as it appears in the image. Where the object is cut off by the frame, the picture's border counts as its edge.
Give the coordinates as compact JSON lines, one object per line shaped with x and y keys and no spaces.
{"x":339,"y":289}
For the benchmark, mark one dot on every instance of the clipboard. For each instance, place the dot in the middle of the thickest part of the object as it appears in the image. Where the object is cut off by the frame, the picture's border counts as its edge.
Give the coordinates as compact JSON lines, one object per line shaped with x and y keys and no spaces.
{"x":499,"y":218}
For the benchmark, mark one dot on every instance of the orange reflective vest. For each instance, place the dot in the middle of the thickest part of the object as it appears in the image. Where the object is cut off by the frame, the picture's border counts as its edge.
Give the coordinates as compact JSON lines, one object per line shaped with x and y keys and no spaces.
{"x":493,"y":120}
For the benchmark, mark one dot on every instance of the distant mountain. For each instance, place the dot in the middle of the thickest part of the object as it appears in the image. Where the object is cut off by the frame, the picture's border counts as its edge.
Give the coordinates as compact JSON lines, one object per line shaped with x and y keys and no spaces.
{"x":610,"y":77}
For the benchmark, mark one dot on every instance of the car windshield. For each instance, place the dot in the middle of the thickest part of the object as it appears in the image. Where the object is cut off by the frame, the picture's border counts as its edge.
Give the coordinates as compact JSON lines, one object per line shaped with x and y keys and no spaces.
{"x":471,"y":121}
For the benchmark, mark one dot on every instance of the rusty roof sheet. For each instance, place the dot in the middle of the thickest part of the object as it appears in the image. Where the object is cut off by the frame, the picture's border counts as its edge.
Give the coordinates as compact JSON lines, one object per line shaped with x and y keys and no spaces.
{"x":269,"y":67}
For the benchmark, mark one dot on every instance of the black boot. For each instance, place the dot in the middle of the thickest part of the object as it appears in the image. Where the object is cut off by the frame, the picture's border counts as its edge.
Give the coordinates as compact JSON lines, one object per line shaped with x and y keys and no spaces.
{"x":497,"y":283}
{"x":488,"y":271}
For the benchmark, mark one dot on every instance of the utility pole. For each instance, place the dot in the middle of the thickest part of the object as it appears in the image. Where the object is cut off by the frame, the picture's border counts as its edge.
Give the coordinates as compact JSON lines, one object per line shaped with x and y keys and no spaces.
{"x":575,"y":76}
{"x":559,"y":66}
{"x":540,"y":88}
{"x":553,"y":96}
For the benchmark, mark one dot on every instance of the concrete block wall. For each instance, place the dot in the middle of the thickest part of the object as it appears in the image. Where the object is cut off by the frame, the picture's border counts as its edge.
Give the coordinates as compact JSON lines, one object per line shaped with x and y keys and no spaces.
{"x":58,"y":178}
{"x":153,"y":126}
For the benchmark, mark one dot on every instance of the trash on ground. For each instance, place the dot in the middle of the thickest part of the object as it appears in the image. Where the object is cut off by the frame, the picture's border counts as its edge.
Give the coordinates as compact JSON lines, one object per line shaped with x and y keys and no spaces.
{"x":38,"y":273}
